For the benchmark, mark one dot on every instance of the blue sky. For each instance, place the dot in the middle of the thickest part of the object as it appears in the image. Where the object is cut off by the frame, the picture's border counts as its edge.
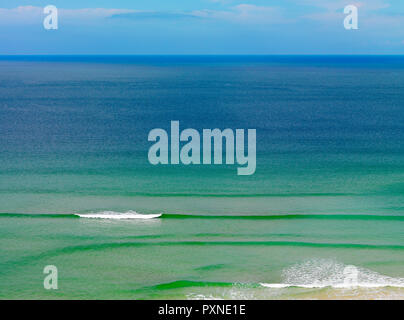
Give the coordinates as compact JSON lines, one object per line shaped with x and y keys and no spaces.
{"x":202,"y":27}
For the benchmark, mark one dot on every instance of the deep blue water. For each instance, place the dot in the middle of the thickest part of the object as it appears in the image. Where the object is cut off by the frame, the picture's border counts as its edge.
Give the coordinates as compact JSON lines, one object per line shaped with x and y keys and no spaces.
{"x":329,"y":127}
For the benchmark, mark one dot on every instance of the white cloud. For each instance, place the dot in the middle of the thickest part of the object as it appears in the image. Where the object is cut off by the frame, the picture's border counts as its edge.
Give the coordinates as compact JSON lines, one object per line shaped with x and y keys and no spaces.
{"x":242,"y":13}
{"x":20,"y":15}
{"x":24,"y":15}
{"x":328,"y":12}
{"x":246,"y":13}
{"x":338,"y":5}
{"x":93,"y":12}
{"x":221,"y":1}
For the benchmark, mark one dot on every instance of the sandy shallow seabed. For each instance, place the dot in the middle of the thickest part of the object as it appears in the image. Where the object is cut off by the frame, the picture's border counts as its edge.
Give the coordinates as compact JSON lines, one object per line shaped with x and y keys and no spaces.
{"x":307,"y":294}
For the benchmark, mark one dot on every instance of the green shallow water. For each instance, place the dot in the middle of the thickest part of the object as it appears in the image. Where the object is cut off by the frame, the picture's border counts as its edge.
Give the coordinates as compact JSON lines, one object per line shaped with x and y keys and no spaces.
{"x":197,"y":258}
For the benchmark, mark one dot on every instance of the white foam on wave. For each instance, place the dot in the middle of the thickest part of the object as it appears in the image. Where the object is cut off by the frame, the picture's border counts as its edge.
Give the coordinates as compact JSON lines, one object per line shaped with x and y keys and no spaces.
{"x":323,"y":273}
{"x":118,"y":215}
{"x":335,"y":286}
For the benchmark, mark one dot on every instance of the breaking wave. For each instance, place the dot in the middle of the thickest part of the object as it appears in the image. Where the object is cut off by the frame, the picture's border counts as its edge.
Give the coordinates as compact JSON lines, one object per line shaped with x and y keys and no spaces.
{"x":323,"y":273}
{"x":118,"y":215}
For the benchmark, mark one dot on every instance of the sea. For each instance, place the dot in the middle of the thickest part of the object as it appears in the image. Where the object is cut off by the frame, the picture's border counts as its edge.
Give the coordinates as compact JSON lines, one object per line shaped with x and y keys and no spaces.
{"x":322,"y":217}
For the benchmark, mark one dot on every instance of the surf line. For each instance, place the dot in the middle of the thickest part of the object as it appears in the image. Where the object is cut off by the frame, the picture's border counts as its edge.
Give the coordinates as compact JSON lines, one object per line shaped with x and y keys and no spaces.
{"x":190,"y":152}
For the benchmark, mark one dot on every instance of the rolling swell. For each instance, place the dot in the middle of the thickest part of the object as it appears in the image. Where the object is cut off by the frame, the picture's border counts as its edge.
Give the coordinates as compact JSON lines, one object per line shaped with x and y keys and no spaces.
{"x":286,"y":217}
{"x":188,"y":284}
{"x":117,"y":245}
{"x":38,"y":215}
{"x":110,"y":245}
{"x":118,"y":215}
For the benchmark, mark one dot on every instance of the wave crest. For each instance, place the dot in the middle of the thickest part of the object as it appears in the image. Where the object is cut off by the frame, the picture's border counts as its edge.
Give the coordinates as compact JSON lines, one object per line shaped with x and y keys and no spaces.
{"x":118,"y":215}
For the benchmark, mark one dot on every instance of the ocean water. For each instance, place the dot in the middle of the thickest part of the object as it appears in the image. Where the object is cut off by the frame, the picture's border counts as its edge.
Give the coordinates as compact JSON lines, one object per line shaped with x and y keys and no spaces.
{"x":77,"y":190}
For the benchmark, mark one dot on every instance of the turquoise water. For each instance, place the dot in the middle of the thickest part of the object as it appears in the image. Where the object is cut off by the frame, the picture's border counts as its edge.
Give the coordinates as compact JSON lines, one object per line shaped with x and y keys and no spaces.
{"x":328,"y":191}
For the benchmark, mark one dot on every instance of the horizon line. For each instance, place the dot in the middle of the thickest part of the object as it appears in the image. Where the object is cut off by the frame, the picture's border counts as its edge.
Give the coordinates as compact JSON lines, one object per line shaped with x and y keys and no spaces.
{"x":199,"y":54}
